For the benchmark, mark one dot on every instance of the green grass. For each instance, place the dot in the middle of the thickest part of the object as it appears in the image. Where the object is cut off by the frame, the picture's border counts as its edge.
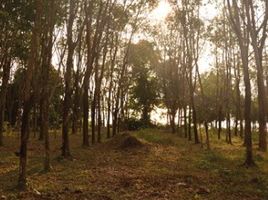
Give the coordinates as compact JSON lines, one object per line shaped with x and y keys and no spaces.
{"x":156,"y":136}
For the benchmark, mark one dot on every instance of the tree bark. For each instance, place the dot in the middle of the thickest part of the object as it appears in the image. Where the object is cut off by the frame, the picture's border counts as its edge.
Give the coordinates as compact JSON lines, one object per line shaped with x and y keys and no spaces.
{"x":3,"y":94}
{"x":67,"y":80}
{"x":28,"y":97}
{"x":243,"y":40}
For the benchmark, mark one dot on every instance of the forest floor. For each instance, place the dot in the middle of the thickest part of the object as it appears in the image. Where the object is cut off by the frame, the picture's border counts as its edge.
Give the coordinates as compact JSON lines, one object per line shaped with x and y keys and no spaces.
{"x":164,"y":166}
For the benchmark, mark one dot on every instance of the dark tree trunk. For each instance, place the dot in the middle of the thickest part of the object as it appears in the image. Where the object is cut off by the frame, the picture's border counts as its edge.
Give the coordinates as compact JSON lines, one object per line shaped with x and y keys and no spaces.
{"x":45,"y":91}
{"x":67,"y":80}
{"x":190,"y":124}
{"x":3,"y":94}
{"x":28,"y":97}
{"x":85,"y":115}
{"x":93,"y":119}
{"x":207,"y":135}
{"x":115,"y":117}
{"x":76,"y":105}
{"x":41,"y":133}
{"x":172,"y":121}
{"x":185,"y":121}
{"x":219,"y":121}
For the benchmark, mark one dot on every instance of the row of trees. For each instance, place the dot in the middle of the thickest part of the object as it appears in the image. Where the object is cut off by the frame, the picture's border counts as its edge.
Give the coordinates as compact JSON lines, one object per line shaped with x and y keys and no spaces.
{"x":238,"y":38}
{"x":69,"y":58}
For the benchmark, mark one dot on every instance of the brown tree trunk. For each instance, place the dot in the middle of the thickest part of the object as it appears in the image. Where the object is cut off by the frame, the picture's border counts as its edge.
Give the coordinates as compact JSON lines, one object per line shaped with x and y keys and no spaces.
{"x":190,"y":124}
{"x":172,"y":122}
{"x":3,"y":93}
{"x":92,"y":56}
{"x":77,"y":93}
{"x":196,"y":138}
{"x":45,"y":75}
{"x":185,"y":121}
{"x":219,"y":123}
{"x":28,"y":97}
{"x":111,"y":86}
{"x":67,"y":80}
{"x":99,"y":82}
{"x":207,"y":135}
{"x":89,"y":68}
{"x":243,"y":40}
{"x":258,"y":43}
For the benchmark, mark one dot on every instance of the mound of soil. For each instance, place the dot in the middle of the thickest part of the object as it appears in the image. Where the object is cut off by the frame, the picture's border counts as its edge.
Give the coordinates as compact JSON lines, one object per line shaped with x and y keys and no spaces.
{"x":125,"y":141}
{"x":130,"y":142}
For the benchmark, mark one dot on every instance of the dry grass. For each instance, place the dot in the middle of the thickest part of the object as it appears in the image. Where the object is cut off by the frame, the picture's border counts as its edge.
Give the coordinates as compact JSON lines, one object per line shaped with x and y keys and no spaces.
{"x":164,"y":167}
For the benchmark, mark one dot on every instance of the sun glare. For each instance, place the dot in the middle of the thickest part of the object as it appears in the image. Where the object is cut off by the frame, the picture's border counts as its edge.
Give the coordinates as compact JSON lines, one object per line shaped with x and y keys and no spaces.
{"x":161,"y":11}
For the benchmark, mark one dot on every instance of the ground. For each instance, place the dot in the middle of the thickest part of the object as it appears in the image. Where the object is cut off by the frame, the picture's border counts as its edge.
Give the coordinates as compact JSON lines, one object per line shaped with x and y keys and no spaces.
{"x":164,"y":167}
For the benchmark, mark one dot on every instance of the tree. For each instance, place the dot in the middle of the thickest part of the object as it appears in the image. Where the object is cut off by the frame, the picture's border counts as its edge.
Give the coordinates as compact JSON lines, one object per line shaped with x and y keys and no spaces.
{"x":242,"y":35}
{"x":10,"y":48}
{"x":257,"y":29}
{"x":188,"y":18}
{"x":71,"y":45}
{"x":143,"y":60}
{"x":28,"y":96}
{"x":45,"y":73}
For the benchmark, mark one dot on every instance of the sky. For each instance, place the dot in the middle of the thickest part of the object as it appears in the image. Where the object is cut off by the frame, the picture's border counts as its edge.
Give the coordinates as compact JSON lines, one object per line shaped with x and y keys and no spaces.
{"x":207,"y":12}
{"x":161,"y":11}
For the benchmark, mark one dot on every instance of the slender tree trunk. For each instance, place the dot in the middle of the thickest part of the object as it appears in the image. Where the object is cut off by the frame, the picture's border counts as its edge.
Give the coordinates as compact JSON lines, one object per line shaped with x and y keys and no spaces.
{"x":207,"y":135}
{"x":241,"y":128}
{"x":46,"y":76}
{"x":99,"y":119}
{"x":85,"y":113}
{"x":110,"y":88}
{"x":3,"y":93}
{"x":190,"y":124}
{"x":41,"y":133}
{"x":220,"y":121}
{"x":28,"y":97}
{"x":172,"y":120}
{"x":196,"y":138}
{"x":76,"y":105}
{"x":258,"y":43}
{"x":115,"y":115}
{"x":93,"y":117}
{"x":77,"y":93}
{"x":68,"y":79}
{"x":185,"y":121}
{"x":99,"y":82}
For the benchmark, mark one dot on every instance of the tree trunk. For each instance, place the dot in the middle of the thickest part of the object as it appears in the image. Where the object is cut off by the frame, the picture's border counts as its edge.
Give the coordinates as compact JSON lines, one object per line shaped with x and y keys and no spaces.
{"x":185,"y":121}
{"x":172,"y":122}
{"x":68,"y":79}
{"x":220,"y":121}
{"x":190,"y":124}
{"x":45,"y":75}
{"x":28,"y":97}
{"x":207,"y":135}
{"x":258,"y":43}
{"x":3,"y":94}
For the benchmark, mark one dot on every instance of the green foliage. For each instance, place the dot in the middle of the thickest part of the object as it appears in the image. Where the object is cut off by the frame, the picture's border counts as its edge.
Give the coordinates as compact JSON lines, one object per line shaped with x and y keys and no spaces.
{"x":55,"y":108}
{"x":16,"y":18}
{"x":133,"y":124}
{"x":154,"y":136}
{"x":144,"y":94}
{"x":208,"y":99}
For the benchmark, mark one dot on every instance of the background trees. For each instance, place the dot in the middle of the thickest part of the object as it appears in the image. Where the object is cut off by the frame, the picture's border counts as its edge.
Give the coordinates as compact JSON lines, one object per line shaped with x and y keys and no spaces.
{"x":144,"y":59}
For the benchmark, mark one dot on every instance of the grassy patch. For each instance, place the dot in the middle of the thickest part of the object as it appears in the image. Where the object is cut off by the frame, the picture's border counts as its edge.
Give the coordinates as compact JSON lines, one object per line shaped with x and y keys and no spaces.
{"x":156,"y":136}
{"x":172,"y":168}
